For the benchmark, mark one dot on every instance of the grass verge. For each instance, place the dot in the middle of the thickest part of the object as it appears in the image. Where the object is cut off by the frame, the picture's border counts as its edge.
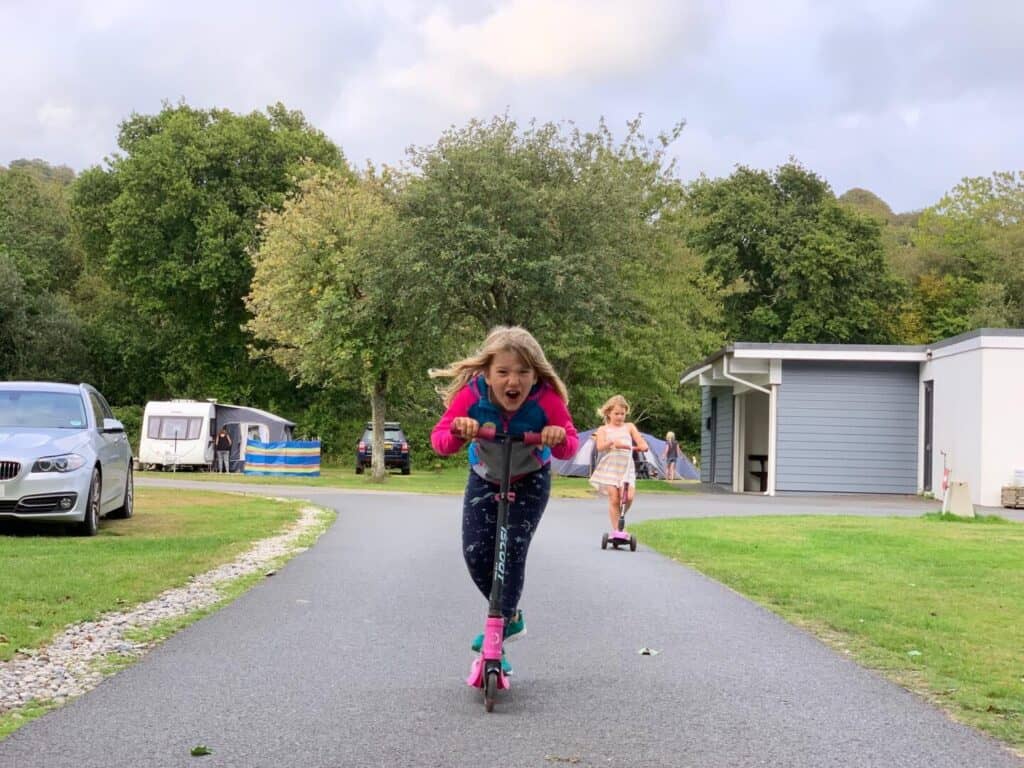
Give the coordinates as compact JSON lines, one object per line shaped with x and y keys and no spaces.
{"x":936,"y":604}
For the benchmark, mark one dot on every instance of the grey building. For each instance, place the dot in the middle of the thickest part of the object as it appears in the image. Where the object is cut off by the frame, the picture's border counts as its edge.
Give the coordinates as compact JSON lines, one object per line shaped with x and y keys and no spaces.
{"x":849,"y":418}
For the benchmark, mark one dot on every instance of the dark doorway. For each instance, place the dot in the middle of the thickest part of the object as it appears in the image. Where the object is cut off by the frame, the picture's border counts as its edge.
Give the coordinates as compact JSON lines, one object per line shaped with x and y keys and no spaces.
{"x":929,"y":398}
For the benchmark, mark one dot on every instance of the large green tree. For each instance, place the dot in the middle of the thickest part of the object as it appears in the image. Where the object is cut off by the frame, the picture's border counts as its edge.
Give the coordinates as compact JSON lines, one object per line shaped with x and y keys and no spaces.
{"x":971,"y":250}
{"x":41,"y":334}
{"x":548,"y":227}
{"x":172,"y":221}
{"x":795,"y":265}
{"x":336,"y":297}
{"x":35,"y":225}
{"x":41,"y":337}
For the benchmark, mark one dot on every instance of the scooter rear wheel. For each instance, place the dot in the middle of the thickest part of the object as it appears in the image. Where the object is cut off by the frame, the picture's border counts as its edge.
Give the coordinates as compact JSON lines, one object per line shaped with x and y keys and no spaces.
{"x":604,"y":541}
{"x":490,"y":690}
{"x":632,"y":543}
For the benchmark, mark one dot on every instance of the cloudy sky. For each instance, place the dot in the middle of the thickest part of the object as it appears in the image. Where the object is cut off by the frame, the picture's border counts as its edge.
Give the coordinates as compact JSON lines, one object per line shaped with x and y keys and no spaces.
{"x":902,"y":97}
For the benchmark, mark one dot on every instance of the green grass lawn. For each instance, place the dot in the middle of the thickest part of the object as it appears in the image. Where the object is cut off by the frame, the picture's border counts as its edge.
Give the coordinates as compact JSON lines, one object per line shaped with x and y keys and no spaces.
{"x":49,"y":579}
{"x":937,"y":605}
{"x":448,"y":480}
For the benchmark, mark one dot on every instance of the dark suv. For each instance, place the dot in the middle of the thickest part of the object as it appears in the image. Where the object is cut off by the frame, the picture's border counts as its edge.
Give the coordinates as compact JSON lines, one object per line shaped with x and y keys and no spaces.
{"x":396,"y":448}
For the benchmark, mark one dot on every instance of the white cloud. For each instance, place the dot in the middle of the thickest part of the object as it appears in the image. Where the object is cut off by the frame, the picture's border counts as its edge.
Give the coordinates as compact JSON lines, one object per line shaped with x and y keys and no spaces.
{"x":437,"y":70}
{"x":536,"y":39}
{"x":105,"y":14}
{"x":53,"y":116}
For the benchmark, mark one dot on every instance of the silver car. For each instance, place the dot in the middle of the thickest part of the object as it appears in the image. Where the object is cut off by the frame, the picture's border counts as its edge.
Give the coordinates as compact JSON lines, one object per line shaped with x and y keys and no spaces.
{"x":64,"y":458}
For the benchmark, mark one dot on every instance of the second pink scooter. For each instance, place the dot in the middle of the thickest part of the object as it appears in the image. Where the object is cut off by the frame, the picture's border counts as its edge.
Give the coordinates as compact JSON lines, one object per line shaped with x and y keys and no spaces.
{"x":619,"y":538}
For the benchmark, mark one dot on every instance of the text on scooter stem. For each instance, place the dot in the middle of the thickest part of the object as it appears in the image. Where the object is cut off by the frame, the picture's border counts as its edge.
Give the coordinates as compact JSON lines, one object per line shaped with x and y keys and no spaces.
{"x":502,"y":546}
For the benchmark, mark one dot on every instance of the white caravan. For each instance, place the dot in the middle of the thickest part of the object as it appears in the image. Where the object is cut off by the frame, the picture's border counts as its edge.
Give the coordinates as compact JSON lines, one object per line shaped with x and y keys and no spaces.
{"x":177,"y":433}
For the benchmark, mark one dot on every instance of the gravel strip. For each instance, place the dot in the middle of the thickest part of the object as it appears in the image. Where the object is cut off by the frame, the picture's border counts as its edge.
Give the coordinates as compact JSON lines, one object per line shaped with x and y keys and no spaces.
{"x":68,"y":666}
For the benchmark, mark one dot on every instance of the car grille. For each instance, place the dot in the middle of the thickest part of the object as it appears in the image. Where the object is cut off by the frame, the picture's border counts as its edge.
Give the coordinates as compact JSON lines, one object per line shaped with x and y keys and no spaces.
{"x":7,"y":505}
{"x":9,"y":469}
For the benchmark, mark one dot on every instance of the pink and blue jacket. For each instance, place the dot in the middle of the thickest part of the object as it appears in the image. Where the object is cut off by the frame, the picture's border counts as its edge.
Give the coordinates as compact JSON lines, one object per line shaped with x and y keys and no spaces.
{"x":542,"y":407}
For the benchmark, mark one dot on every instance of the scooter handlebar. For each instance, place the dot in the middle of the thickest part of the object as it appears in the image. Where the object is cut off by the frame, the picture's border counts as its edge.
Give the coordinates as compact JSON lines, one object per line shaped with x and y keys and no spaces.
{"x":487,"y":432}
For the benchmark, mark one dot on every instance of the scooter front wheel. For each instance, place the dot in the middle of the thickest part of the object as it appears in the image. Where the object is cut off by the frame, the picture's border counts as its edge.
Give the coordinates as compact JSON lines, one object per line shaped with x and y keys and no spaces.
{"x":490,"y":690}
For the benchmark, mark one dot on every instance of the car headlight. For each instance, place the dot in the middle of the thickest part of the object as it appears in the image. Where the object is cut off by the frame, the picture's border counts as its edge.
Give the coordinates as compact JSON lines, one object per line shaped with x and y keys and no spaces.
{"x":66,"y":462}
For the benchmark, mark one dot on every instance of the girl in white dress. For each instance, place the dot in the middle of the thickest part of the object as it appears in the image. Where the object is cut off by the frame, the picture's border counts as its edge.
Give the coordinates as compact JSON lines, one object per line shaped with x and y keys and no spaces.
{"x":615,"y":469}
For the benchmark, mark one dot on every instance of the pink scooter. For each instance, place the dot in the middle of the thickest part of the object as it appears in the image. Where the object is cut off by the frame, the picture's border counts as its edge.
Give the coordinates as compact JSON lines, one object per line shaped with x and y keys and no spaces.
{"x":486,"y":671}
{"x":620,"y":537}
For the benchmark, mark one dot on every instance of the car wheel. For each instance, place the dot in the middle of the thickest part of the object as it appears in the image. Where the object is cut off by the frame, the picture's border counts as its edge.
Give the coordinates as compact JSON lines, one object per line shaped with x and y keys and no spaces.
{"x":127,"y":508}
{"x":91,"y":524}
{"x":406,"y":469}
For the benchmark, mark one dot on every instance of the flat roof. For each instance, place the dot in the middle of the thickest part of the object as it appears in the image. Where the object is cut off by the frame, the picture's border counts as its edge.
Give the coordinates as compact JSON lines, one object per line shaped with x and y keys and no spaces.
{"x":852,"y":352}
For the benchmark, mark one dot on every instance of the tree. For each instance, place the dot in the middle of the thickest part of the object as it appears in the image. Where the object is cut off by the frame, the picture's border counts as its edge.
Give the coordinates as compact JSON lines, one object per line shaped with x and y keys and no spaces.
{"x":336,"y":296}
{"x":543,"y":227}
{"x":41,"y":337}
{"x":941,"y":307}
{"x":172,"y":221}
{"x":976,"y":233}
{"x":35,"y":225}
{"x":795,"y":265}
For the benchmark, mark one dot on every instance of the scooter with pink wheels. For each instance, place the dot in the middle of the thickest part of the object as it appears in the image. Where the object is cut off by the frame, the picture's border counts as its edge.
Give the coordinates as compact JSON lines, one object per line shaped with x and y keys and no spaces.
{"x":619,"y":538}
{"x":486,"y":670}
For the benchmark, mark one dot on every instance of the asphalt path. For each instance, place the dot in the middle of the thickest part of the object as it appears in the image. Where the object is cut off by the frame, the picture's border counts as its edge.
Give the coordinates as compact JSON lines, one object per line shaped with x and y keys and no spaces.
{"x":354,"y":654}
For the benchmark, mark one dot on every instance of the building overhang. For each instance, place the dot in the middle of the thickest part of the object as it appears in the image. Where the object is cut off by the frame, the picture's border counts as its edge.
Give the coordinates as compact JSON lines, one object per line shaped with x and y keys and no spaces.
{"x":759,"y":364}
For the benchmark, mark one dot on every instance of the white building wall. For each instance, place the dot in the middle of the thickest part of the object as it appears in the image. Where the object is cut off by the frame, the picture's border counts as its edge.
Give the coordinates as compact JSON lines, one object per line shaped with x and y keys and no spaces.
{"x":1002,"y":422}
{"x":957,"y":419}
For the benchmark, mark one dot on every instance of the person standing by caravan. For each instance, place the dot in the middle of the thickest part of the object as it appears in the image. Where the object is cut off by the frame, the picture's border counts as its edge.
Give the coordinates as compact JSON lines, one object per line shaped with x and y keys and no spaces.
{"x":223,"y":447}
{"x":615,"y":439}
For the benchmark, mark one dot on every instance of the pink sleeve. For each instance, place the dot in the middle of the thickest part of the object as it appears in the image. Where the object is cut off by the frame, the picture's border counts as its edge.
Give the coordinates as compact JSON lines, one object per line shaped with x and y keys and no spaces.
{"x":558,"y":416}
{"x":441,"y":438}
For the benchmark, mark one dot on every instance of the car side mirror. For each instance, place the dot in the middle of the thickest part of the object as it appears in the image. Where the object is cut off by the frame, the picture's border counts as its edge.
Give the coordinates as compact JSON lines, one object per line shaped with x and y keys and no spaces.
{"x":112,"y":425}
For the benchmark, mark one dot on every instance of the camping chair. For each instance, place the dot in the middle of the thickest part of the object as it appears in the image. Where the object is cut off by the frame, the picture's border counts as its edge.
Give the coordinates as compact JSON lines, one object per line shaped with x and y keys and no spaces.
{"x":643,"y":470}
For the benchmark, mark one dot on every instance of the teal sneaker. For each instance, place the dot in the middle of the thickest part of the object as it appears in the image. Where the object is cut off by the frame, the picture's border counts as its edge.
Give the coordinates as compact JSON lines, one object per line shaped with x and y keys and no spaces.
{"x":514,"y":629}
{"x":506,"y":665}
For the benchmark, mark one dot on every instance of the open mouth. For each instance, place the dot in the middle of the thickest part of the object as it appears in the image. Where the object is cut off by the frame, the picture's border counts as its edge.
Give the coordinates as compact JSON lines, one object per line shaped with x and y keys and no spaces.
{"x":512,"y":395}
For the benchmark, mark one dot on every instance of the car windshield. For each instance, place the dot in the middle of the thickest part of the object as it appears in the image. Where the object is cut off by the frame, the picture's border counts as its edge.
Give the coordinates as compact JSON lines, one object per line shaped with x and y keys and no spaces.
{"x":42,"y":410}
{"x":390,"y":435}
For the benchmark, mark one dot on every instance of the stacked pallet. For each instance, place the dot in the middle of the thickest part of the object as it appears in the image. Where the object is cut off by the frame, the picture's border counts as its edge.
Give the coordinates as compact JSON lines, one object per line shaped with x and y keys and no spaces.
{"x":1013,"y":496}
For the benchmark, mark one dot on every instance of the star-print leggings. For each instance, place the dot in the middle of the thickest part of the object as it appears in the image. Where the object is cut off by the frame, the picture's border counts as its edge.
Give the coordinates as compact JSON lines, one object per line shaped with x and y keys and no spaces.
{"x":479,"y":528}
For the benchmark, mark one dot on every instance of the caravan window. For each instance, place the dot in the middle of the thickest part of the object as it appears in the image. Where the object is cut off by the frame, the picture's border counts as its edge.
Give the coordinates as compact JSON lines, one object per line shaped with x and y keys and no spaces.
{"x":169,"y":427}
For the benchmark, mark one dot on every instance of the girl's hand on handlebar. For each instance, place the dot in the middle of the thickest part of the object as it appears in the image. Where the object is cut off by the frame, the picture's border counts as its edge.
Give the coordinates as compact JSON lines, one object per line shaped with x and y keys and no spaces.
{"x":552,"y":435}
{"x":465,"y":427}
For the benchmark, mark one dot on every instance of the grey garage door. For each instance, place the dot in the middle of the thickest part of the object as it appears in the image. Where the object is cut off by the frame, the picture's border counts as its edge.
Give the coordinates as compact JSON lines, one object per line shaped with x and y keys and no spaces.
{"x":847,"y":427}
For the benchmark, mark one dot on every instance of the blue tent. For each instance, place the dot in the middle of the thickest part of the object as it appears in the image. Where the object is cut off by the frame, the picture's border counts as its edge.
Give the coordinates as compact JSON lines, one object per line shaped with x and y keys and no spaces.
{"x":583,"y":462}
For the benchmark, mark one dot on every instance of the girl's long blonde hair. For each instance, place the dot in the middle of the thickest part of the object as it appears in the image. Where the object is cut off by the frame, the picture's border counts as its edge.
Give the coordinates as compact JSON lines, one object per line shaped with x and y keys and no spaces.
{"x":502,"y":338}
{"x":610,"y":403}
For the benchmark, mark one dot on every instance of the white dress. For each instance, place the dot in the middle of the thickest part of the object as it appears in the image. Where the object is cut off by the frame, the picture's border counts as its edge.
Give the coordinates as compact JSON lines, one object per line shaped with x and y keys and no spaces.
{"x":616,"y":467}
